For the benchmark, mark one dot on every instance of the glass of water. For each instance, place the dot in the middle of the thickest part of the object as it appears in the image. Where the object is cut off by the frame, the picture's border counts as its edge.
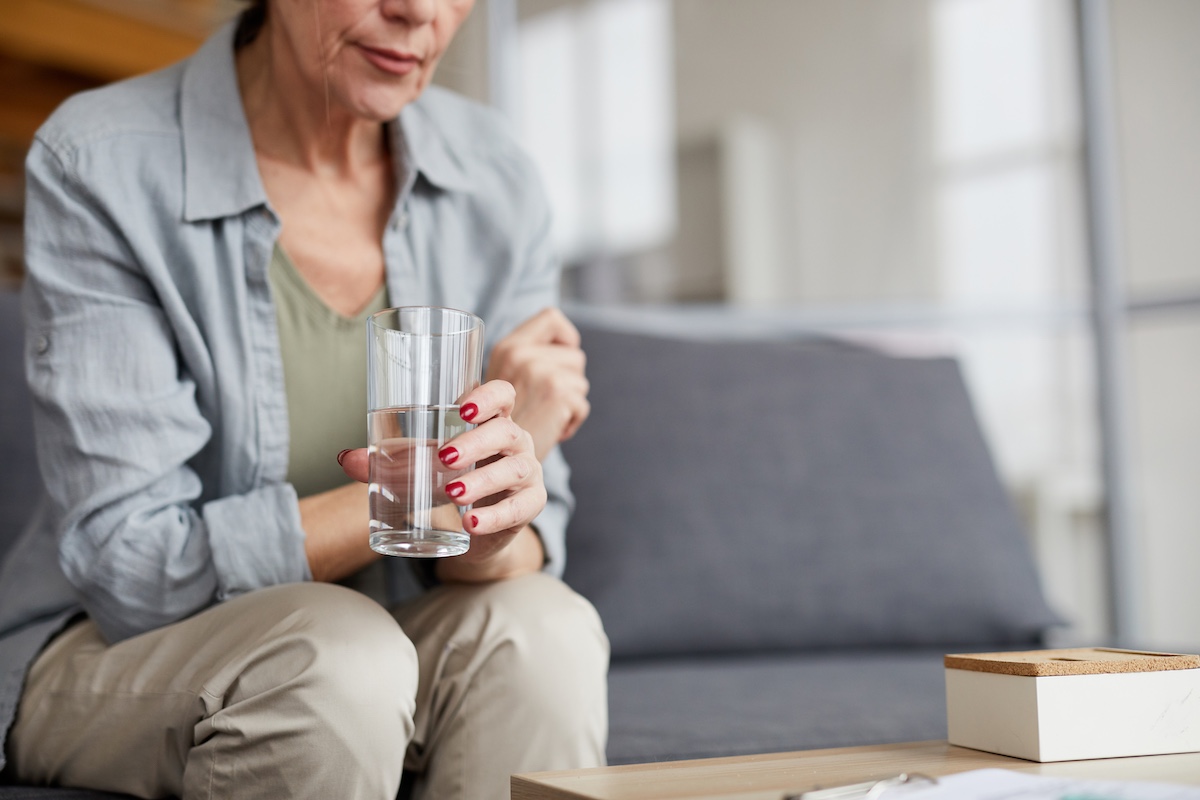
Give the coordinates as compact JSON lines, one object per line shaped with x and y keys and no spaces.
{"x":421,"y":361}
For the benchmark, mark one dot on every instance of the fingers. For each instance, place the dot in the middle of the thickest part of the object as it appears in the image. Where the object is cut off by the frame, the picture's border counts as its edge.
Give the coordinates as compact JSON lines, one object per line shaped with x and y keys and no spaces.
{"x":553,"y":373}
{"x":509,"y":515}
{"x":506,"y":487}
{"x":580,"y":410}
{"x":492,"y":399}
{"x":551,"y":355}
{"x":547,"y":373}
{"x":490,"y":485}
{"x":561,"y":394}
{"x":552,"y":391}
{"x":561,"y":403}
{"x":505,"y":495}
{"x":548,"y":326}
{"x":499,"y":436}
{"x":543,"y":359}
{"x":547,"y":330}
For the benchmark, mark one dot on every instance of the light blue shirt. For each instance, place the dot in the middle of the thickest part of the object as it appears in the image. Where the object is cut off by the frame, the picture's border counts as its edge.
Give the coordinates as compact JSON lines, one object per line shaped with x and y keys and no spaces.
{"x":152,"y":352}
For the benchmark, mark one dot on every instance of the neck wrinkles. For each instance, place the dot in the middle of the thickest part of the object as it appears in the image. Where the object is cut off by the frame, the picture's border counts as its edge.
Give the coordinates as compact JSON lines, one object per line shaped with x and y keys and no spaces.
{"x":294,"y":122}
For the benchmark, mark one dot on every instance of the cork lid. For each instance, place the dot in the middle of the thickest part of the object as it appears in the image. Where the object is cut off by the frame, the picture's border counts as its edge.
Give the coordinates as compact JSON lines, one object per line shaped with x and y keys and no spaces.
{"x":1074,"y":661}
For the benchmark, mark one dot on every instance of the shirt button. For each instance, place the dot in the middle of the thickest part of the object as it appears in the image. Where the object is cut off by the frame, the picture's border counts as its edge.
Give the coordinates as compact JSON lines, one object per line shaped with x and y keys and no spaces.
{"x":400,"y":221}
{"x":42,"y":344}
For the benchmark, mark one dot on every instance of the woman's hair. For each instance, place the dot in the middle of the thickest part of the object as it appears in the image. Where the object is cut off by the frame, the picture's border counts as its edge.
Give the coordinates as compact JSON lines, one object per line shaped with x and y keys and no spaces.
{"x":250,"y":23}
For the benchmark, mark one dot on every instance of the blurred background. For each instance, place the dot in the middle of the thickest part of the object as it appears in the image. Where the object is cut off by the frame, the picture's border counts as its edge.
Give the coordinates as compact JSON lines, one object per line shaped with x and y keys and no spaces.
{"x":1015,"y":182}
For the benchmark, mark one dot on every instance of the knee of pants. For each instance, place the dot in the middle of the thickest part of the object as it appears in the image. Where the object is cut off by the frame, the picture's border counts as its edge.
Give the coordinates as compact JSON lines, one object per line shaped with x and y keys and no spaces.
{"x":552,"y":652}
{"x":330,"y":662}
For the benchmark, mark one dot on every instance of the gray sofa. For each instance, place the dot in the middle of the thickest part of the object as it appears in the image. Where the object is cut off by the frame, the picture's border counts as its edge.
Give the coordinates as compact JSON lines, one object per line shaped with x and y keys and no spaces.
{"x":783,"y":535}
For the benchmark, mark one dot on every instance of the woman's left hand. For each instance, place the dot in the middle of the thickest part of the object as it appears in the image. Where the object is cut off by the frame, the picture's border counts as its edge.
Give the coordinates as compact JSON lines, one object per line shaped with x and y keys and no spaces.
{"x":543,"y":359}
{"x":505,"y":489}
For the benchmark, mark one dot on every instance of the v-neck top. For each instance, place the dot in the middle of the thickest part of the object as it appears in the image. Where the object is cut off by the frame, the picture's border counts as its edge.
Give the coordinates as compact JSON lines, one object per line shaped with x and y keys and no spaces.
{"x":324,"y":358}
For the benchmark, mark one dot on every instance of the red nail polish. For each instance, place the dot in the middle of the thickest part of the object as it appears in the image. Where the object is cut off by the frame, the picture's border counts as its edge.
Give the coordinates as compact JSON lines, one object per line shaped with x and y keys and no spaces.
{"x":474,"y":521}
{"x":448,"y":455}
{"x":455,"y":489}
{"x":342,"y":455}
{"x":469,"y":411}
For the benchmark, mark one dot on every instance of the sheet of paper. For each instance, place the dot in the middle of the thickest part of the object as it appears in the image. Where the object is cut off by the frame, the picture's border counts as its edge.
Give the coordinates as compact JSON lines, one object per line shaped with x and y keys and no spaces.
{"x":1000,"y":784}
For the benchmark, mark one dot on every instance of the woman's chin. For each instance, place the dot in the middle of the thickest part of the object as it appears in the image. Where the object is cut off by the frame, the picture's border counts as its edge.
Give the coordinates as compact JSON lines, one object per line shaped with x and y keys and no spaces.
{"x":382,"y":103}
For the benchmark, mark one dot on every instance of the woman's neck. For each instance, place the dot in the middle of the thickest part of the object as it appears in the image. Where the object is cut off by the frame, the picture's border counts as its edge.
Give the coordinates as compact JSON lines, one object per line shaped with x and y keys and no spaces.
{"x":295,"y":123}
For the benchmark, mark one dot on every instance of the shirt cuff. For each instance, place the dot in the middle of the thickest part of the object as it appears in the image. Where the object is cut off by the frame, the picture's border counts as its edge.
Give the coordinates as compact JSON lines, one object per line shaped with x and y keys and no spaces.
{"x":256,"y":540}
{"x":551,"y":527}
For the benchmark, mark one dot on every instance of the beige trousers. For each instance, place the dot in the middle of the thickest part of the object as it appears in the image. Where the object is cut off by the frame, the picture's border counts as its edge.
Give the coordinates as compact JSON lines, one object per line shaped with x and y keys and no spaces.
{"x":314,"y":691}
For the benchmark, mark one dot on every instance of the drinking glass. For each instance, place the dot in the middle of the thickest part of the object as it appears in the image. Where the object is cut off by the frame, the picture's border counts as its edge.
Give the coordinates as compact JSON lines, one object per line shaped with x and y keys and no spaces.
{"x":421,"y":361}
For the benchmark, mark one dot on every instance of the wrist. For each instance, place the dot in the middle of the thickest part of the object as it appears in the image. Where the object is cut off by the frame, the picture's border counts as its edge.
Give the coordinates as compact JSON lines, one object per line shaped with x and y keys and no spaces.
{"x":522,"y":554}
{"x":335,"y":528}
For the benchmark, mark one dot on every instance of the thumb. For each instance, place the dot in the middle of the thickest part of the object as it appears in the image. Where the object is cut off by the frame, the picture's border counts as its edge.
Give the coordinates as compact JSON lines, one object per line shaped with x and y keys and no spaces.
{"x":354,"y":464}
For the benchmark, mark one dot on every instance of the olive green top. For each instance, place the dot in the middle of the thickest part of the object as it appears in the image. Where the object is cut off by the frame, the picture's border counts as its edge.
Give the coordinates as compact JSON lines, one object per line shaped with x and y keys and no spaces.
{"x":325,"y":376}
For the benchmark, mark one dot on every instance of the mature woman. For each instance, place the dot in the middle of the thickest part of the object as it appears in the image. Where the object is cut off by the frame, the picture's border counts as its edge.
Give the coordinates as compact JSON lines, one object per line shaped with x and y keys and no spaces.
{"x":203,"y":247}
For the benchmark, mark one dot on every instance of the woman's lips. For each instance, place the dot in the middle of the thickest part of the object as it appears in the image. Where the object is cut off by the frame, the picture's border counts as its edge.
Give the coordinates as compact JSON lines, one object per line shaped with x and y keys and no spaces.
{"x":393,"y":62}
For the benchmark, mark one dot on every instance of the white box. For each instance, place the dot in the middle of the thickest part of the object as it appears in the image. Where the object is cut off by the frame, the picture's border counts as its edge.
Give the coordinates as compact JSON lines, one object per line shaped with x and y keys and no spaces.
{"x":1083,"y":703}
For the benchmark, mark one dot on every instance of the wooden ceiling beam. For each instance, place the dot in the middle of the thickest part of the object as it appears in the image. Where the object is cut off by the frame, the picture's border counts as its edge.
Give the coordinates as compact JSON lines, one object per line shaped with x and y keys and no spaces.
{"x":28,"y":93}
{"x":91,"y":39}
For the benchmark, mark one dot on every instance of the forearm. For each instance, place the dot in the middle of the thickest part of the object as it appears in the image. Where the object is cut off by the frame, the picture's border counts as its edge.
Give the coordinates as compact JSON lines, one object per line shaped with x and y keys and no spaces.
{"x":336,"y":544}
{"x":336,"y":526}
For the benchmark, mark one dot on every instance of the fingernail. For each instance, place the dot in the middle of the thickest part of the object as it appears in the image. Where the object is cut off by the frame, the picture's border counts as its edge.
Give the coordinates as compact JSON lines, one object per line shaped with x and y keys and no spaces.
{"x":469,"y":411}
{"x":448,"y":455}
{"x":455,"y":489}
{"x":342,"y":455}
{"x":474,"y":521}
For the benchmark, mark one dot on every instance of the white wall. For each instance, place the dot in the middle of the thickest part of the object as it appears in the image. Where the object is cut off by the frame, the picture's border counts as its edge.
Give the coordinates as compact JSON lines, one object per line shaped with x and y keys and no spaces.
{"x":1158,"y":95}
{"x":1158,"y":86}
{"x":844,"y":85}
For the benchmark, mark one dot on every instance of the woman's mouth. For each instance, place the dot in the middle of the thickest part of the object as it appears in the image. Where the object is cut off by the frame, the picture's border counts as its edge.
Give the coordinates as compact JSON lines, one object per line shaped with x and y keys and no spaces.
{"x":393,"y":62}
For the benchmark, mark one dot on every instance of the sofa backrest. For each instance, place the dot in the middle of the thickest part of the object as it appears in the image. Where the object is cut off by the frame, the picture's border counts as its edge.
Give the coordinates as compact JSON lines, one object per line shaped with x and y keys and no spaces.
{"x":19,"y":481}
{"x":767,"y":495}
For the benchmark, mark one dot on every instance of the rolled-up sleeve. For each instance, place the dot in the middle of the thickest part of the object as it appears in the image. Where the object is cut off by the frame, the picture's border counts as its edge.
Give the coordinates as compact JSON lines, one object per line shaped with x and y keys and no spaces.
{"x":245,"y":561}
{"x":117,"y":422}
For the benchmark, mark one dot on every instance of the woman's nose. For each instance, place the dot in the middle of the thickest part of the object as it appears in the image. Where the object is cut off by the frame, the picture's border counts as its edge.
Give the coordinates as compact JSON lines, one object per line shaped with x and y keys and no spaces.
{"x":414,"y":12}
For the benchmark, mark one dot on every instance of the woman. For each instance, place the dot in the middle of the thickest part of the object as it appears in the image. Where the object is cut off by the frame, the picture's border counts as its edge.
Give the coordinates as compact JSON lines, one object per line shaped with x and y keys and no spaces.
{"x":203,"y":245}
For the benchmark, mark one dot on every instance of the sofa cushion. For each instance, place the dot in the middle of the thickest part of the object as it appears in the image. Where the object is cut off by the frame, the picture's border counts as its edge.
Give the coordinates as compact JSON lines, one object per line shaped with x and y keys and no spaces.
{"x":772,"y":495}
{"x":665,"y":710}
{"x":20,"y":484}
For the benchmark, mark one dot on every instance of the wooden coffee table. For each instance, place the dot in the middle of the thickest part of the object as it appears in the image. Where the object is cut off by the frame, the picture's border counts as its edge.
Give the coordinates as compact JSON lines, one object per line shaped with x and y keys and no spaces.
{"x":769,"y":777}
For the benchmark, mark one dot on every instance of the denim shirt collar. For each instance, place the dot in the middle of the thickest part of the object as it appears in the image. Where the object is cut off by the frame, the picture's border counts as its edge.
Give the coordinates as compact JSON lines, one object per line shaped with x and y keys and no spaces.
{"x":426,"y":150}
{"x":221,"y":176}
{"x":220,"y":172}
